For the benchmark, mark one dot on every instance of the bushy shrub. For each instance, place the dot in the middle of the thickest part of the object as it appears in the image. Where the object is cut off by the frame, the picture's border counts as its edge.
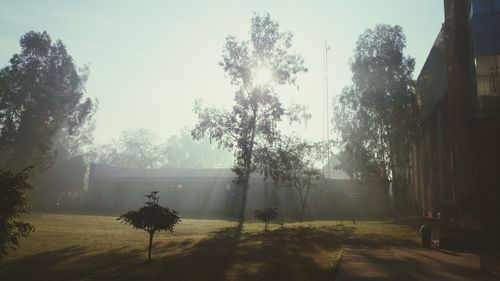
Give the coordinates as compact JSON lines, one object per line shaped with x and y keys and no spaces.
{"x":266,"y":215}
{"x":151,"y":218}
{"x":13,"y":202}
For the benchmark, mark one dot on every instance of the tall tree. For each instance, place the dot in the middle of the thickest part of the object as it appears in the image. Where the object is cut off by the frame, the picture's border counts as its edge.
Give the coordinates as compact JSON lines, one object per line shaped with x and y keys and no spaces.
{"x":62,"y":184}
{"x":255,"y":66}
{"x":41,"y":91}
{"x":376,"y":115}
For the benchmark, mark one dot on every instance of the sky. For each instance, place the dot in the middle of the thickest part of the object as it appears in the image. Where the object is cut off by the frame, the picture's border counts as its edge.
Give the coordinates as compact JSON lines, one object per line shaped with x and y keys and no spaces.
{"x":150,"y":60}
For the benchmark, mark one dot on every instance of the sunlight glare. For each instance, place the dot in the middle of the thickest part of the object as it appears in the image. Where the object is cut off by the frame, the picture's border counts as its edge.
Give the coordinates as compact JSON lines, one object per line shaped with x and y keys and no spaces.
{"x":262,"y":76}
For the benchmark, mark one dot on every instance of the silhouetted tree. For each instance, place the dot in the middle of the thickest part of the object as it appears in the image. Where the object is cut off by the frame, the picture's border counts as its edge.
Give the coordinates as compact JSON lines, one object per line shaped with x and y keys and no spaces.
{"x":151,"y":218}
{"x":255,"y":66}
{"x":41,"y":93}
{"x":266,"y":215}
{"x":62,"y":184}
{"x":13,"y":188}
{"x":376,"y":115}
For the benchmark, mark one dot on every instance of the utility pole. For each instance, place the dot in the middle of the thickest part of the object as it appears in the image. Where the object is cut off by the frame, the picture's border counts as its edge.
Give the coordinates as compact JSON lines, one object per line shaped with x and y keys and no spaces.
{"x":327,"y":102}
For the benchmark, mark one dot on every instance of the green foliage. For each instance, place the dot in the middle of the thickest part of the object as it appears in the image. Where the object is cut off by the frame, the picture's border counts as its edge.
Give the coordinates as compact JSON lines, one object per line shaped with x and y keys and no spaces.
{"x":290,"y":163}
{"x":61,"y":185}
{"x":41,"y":94}
{"x":151,"y":218}
{"x":289,"y":158}
{"x":13,"y":202}
{"x":376,"y":115}
{"x":266,"y":215}
{"x":252,"y":122}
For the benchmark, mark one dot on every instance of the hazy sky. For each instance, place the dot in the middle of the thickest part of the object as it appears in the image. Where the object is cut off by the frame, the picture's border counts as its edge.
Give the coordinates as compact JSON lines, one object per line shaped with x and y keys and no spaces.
{"x":149,"y":60}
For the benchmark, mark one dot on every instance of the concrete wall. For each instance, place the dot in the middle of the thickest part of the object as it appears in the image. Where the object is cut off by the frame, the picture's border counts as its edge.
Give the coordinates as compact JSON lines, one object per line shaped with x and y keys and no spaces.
{"x":219,"y":199}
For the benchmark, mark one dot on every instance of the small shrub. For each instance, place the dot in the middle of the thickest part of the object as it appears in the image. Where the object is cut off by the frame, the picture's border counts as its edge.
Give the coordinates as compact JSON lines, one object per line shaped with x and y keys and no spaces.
{"x":151,"y":218}
{"x":13,"y":202}
{"x":266,"y":215}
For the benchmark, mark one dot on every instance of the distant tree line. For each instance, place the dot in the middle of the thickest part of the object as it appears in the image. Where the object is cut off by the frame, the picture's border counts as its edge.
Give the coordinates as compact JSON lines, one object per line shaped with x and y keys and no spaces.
{"x":140,"y":148}
{"x":62,"y":184}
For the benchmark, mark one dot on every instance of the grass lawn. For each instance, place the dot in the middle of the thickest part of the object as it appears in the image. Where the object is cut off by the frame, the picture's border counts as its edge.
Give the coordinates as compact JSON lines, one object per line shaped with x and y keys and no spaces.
{"x":80,"y":247}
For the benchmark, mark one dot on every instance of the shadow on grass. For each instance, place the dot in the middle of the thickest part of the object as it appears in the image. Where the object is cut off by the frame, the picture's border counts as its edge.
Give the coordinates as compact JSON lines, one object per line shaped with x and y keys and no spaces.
{"x":299,"y":253}
{"x":348,"y":236}
{"x":227,"y":254}
{"x":427,"y":265}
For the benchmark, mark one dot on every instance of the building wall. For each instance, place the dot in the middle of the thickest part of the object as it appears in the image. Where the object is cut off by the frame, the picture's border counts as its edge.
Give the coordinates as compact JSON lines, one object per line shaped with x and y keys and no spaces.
{"x":455,"y":158}
{"x":216,"y":198}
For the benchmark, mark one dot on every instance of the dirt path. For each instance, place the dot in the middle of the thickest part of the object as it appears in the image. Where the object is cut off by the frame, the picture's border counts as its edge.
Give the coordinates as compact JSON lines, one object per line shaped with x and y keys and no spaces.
{"x":400,"y":263}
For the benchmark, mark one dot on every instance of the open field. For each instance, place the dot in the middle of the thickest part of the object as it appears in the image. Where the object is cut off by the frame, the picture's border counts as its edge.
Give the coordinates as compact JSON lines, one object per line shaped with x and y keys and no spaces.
{"x":79,"y":247}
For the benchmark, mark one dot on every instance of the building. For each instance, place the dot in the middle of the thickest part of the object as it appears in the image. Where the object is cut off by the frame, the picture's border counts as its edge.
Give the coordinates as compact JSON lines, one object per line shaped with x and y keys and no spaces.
{"x":455,"y":165}
{"x":212,"y":193}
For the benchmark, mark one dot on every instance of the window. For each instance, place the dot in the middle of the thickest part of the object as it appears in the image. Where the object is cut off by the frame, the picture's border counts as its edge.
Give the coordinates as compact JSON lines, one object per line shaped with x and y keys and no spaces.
{"x":486,"y":38}
{"x":487,"y":74}
{"x":482,"y":6}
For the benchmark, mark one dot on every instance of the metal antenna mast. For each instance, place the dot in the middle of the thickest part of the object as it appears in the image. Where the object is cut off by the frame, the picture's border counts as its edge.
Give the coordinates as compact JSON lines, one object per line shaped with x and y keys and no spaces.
{"x":327,"y":48}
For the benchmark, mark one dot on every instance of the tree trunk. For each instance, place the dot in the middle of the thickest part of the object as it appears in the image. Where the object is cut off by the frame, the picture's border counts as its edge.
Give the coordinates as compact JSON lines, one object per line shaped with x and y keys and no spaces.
{"x":299,"y":189}
{"x":396,"y":194}
{"x":386,"y":198}
{"x":248,"y":166}
{"x":304,"y":201}
{"x":150,"y":245}
{"x":241,"y":215}
{"x":302,"y":209}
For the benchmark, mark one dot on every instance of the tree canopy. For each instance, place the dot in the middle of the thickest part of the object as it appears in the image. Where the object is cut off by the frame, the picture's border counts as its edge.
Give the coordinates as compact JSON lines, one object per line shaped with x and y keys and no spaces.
{"x":41,"y":93}
{"x":256,"y":66}
{"x":266,"y":215}
{"x":376,"y":115}
{"x":151,"y":218}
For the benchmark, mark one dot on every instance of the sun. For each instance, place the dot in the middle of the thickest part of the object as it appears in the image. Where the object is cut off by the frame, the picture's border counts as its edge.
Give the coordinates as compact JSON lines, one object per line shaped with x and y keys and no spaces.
{"x":262,"y":76}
